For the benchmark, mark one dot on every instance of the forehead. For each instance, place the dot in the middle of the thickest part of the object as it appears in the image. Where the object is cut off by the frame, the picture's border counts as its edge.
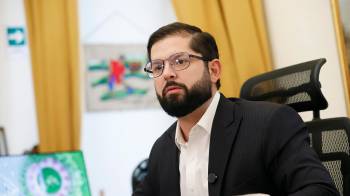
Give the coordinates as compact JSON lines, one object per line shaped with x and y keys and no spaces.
{"x":170,"y":45}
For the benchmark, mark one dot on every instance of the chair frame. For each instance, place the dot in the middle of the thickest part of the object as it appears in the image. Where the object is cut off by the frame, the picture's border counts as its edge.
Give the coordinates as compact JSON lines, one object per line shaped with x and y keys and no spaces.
{"x":313,"y":88}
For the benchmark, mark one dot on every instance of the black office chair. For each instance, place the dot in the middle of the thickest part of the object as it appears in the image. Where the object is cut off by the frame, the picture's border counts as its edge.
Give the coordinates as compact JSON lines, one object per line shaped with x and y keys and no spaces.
{"x":298,"y":86}
{"x":139,"y":173}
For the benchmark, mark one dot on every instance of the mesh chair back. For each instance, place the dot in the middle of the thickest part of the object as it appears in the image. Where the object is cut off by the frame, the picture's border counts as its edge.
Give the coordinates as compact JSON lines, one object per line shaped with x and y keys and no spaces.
{"x":297,"y":86}
{"x":338,"y":166}
{"x":331,"y":140}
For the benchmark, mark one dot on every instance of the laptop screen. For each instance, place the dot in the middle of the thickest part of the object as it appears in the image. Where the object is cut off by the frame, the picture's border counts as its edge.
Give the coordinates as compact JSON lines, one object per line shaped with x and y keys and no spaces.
{"x":58,"y":174}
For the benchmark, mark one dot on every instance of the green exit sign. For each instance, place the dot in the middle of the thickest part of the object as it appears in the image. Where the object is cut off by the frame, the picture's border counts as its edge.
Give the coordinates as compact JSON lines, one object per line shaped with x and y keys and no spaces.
{"x":16,"y":36}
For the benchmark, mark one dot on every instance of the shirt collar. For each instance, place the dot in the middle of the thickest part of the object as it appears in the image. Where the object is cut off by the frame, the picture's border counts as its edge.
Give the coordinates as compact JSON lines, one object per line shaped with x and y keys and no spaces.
{"x":205,"y":122}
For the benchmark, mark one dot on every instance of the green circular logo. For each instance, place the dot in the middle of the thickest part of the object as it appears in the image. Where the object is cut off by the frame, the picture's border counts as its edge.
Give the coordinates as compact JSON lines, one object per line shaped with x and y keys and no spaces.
{"x":47,"y":177}
{"x":51,"y":179}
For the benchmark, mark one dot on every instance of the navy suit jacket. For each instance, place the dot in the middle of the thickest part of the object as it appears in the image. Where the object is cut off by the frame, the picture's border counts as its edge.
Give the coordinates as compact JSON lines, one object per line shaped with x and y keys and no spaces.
{"x":255,"y":147}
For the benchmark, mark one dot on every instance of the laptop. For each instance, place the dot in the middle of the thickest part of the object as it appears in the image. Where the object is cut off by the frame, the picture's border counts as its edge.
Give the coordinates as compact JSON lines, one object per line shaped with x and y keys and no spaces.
{"x":55,"y":174}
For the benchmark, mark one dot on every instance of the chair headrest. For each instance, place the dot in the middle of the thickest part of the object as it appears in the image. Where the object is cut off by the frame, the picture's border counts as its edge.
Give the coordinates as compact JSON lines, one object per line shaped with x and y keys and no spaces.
{"x":297,"y":86}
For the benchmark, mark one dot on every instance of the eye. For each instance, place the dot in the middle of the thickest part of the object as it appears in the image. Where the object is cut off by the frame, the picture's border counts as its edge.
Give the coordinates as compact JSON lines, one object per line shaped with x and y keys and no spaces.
{"x":179,"y":61}
{"x":156,"y":67}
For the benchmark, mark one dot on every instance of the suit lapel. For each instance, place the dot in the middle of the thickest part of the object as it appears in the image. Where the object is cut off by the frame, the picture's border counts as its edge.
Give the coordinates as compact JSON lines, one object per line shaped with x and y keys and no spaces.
{"x":224,"y":129}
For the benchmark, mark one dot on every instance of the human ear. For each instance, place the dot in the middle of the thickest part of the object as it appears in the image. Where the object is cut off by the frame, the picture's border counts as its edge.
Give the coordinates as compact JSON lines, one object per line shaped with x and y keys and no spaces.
{"x":214,"y":67}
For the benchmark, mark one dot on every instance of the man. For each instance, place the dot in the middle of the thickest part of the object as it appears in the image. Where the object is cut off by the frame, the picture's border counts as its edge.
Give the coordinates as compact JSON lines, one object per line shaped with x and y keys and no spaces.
{"x":218,"y":146}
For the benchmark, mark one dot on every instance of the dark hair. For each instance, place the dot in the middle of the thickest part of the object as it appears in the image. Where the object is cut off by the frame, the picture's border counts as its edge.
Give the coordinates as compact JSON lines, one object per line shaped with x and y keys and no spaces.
{"x":201,"y":42}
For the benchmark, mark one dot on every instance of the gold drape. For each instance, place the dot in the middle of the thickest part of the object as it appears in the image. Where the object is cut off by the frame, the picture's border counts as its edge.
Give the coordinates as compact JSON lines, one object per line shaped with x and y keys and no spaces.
{"x":53,"y":37}
{"x":239,"y":29}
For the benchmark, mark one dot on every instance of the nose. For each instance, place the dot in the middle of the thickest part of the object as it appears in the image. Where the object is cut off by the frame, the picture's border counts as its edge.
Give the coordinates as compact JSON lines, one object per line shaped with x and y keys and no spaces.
{"x":168,"y":72}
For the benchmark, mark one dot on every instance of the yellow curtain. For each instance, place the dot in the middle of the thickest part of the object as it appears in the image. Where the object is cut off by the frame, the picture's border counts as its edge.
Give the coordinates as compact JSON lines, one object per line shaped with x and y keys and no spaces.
{"x":239,"y":29}
{"x":53,"y":37}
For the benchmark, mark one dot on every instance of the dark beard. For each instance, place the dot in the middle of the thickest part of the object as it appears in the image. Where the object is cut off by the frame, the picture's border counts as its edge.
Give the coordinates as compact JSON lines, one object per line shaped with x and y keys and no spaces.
{"x":181,"y":105}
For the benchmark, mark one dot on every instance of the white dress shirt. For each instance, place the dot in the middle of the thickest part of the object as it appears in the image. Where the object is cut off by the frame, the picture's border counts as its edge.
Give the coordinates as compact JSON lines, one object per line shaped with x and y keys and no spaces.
{"x":194,"y":154}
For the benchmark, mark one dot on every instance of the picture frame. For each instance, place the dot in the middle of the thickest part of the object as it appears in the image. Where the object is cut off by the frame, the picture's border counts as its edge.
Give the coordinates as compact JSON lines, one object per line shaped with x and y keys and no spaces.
{"x":115,"y":79}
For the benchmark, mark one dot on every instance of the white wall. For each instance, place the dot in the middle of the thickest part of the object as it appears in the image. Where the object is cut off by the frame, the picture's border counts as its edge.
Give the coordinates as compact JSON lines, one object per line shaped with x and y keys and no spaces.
{"x":17,"y":108}
{"x":115,"y":142}
{"x":302,"y":30}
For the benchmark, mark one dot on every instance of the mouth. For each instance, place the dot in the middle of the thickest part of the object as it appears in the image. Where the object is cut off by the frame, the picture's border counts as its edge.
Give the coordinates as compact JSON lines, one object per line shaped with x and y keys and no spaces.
{"x":172,"y":90}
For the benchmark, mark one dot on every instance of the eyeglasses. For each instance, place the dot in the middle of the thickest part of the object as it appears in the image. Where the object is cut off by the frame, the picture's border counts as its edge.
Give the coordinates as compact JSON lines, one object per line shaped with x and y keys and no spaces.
{"x":178,"y":61}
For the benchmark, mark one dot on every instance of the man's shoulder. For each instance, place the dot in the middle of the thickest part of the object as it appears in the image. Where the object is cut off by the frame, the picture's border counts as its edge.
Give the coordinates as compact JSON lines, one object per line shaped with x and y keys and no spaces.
{"x":258,"y":108}
{"x":168,"y":137}
{"x":246,"y":104}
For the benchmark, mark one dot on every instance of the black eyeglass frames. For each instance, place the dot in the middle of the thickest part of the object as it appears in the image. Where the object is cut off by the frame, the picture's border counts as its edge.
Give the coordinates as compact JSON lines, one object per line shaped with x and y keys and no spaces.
{"x":178,"y":61}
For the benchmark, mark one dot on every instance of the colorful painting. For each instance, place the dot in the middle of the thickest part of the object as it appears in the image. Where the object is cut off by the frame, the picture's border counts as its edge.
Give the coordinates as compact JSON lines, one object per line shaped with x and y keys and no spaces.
{"x":115,"y":78}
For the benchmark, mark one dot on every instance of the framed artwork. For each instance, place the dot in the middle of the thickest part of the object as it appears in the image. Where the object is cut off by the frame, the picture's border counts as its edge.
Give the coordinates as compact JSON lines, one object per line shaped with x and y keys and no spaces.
{"x":115,"y":79}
